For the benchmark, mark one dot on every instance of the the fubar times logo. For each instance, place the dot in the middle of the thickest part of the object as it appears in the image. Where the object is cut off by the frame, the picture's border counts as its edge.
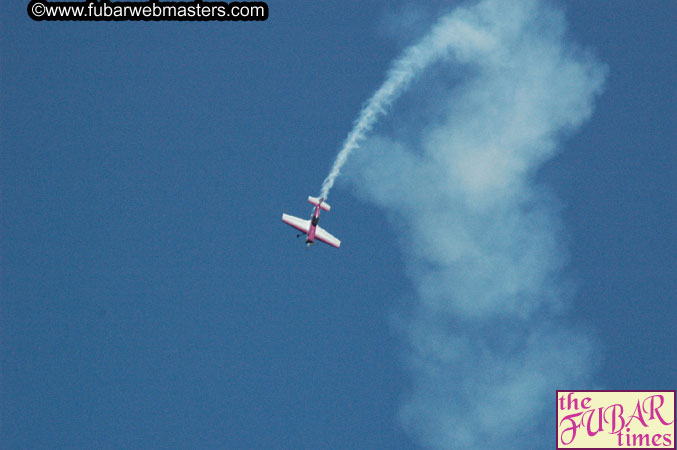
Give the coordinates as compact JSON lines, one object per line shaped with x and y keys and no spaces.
{"x":615,"y":419}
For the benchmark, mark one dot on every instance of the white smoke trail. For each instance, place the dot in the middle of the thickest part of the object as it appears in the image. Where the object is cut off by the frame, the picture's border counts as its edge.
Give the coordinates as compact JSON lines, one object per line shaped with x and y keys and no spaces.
{"x":488,"y":340}
{"x":434,"y":46}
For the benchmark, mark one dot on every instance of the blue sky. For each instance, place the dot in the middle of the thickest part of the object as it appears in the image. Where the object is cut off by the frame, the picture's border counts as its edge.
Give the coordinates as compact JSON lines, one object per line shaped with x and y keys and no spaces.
{"x":150,"y":294}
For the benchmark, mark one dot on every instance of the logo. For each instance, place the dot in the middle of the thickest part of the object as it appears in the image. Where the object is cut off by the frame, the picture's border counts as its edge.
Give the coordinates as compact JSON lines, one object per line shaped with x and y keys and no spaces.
{"x":615,"y":419}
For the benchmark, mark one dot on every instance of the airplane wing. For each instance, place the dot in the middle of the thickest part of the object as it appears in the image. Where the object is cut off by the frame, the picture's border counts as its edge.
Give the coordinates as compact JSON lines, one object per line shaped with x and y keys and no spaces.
{"x":324,"y":236}
{"x":300,"y":224}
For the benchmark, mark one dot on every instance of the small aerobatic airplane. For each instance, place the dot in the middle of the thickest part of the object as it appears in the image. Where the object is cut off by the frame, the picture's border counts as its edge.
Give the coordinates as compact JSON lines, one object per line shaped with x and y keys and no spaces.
{"x":310,"y":227}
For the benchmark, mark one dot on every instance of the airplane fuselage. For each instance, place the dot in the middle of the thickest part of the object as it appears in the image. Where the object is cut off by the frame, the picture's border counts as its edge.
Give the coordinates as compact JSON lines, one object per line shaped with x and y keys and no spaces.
{"x":313,"y":226}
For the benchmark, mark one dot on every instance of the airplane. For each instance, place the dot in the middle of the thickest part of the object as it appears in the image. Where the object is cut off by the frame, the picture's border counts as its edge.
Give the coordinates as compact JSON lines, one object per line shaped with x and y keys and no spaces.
{"x":310,"y":227}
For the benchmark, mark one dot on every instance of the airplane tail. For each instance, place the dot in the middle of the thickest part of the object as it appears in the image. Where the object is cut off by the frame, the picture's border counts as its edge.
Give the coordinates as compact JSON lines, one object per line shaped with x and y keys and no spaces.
{"x":319,"y":201}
